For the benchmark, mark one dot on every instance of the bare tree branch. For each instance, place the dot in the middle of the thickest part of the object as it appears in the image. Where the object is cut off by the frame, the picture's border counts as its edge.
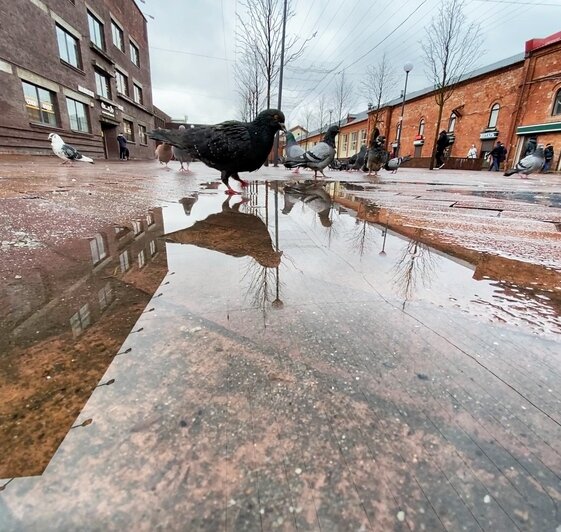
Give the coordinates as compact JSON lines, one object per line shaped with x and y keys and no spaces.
{"x":379,"y":81}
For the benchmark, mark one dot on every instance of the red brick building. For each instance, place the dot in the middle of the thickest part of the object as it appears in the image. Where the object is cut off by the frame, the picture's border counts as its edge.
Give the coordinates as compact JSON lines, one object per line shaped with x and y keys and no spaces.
{"x":511,"y":101}
{"x":75,"y":67}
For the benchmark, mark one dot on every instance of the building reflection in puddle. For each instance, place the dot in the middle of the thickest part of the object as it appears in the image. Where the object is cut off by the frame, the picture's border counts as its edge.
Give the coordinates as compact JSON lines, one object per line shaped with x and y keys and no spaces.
{"x":63,"y":322}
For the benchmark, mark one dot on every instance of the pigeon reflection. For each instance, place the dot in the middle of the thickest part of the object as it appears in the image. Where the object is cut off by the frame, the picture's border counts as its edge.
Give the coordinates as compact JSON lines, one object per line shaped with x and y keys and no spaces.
{"x":311,"y":194}
{"x":188,"y":203}
{"x":415,"y":264}
{"x":233,"y":233}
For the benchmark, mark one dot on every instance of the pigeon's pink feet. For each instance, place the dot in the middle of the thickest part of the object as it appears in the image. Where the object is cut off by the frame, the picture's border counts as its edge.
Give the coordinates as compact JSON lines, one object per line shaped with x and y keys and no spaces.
{"x":231,"y":191}
{"x":244,"y":183}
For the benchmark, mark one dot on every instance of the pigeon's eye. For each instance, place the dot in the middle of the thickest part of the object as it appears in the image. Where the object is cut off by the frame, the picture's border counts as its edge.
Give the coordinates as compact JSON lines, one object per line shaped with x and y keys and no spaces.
{"x":276,"y":117}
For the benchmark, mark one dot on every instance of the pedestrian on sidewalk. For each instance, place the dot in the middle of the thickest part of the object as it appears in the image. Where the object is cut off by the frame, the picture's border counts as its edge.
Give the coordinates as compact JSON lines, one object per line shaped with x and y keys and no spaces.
{"x":548,"y":156}
{"x":441,"y":144}
{"x":498,"y":155}
{"x":472,"y":152}
{"x":123,"y":150}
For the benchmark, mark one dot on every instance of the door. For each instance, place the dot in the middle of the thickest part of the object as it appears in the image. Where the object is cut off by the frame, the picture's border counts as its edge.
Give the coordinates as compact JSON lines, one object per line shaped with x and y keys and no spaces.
{"x":110,"y":144}
{"x":418,"y":150}
{"x":486,"y":147}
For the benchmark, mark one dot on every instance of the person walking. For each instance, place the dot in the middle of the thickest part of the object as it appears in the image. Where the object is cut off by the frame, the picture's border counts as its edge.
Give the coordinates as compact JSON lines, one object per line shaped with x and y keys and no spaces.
{"x":123,"y":150}
{"x":548,"y":155}
{"x":441,"y":144}
{"x":497,"y":153}
{"x":472,"y":152}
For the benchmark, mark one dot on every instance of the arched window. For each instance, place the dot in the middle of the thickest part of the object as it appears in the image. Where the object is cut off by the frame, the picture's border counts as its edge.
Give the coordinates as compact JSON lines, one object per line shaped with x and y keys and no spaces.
{"x":422,"y":127}
{"x":557,"y":103}
{"x":452,"y":123}
{"x":493,"y":116}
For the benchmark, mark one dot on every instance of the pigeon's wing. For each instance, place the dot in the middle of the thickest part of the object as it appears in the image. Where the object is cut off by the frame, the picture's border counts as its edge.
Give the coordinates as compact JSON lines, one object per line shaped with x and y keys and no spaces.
{"x":294,"y":151}
{"x":527,"y":163}
{"x":320,"y":152}
{"x":70,"y":152}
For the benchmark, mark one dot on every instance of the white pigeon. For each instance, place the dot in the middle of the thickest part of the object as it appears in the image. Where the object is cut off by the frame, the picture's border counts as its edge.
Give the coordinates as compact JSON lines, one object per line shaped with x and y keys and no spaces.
{"x":318,"y":157}
{"x":183,"y":156}
{"x":65,"y":152}
{"x":530,"y":164}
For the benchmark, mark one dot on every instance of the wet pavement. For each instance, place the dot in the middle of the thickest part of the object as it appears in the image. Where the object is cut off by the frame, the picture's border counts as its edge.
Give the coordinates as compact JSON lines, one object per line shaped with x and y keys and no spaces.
{"x":355,"y":354}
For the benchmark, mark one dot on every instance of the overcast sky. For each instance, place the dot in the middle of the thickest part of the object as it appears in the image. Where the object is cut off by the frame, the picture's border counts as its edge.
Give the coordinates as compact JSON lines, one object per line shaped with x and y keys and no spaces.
{"x":193,"y":47}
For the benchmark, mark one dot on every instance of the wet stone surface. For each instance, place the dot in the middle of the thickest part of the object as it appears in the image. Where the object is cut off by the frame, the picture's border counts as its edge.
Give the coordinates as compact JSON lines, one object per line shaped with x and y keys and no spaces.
{"x":280,"y":361}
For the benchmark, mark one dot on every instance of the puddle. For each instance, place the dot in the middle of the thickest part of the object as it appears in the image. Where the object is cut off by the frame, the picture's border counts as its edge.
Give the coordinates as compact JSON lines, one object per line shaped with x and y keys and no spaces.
{"x":551,"y":199}
{"x":148,"y":311}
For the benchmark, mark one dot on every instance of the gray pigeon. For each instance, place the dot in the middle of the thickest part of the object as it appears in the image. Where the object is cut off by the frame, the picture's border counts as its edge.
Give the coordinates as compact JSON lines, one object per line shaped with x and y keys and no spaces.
{"x":293,"y":150}
{"x":393,"y":164}
{"x":183,"y":156}
{"x":318,"y":157}
{"x":360,"y":158}
{"x":529,"y":165}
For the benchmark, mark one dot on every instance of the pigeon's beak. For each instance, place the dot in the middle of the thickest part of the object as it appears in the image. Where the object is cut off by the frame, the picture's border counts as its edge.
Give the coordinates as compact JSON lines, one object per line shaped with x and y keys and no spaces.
{"x":282,"y":126}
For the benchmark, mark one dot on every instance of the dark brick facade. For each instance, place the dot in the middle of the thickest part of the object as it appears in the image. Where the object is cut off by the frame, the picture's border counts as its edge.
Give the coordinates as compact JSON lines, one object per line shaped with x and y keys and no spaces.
{"x":30,"y":52}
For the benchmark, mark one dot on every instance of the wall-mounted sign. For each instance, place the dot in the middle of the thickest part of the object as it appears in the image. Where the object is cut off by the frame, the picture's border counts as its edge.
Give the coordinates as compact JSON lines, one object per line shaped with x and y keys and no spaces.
{"x":86,"y":91}
{"x":420,"y":142}
{"x":489,"y":135}
{"x":107,"y":109}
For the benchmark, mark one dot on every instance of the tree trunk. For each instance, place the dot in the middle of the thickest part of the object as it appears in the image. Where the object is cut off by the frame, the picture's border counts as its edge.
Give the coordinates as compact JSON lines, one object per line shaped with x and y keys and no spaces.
{"x":436,"y":133}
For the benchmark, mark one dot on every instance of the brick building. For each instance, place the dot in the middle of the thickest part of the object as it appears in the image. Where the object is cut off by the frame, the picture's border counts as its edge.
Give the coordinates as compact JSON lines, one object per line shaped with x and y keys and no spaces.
{"x":512,"y":101}
{"x":75,"y":67}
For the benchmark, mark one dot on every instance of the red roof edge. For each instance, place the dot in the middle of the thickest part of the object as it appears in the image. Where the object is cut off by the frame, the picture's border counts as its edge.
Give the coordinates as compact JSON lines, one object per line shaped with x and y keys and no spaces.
{"x":534,"y":44}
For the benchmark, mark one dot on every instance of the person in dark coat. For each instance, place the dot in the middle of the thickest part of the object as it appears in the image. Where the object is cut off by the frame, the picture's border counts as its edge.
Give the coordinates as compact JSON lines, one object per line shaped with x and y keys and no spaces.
{"x":548,"y":155}
{"x":441,"y":144}
{"x":123,"y":150}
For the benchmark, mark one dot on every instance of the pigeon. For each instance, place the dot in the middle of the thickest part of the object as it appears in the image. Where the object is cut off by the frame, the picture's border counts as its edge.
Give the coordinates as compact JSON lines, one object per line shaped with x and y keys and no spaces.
{"x":293,"y":150}
{"x":318,"y":157}
{"x":164,"y":154}
{"x":66,"y":152}
{"x":312,"y":195}
{"x":377,"y":155}
{"x":394,"y":163}
{"x":230,"y":147}
{"x":183,"y":156}
{"x":530,"y":164}
{"x":360,"y":158}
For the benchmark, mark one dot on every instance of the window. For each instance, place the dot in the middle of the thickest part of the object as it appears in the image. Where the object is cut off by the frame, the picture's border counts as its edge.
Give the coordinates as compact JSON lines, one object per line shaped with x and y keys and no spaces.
{"x":141,"y":259}
{"x":136,"y":227}
{"x":152,"y":247}
{"x":96,"y":31}
{"x":97,"y":247}
{"x":128,"y":130}
{"x":105,"y":296}
{"x":137,"y":94}
{"x":362,"y":136}
{"x":452,"y":123}
{"x":398,"y":131}
{"x":124,"y":261}
{"x":493,"y":116}
{"x":354,"y":138}
{"x":149,"y":219}
{"x":103,"y":85}
{"x":78,"y":114}
{"x":345,"y":142}
{"x":80,"y":320}
{"x":117,"y":34}
{"x":122,"y":83}
{"x":557,"y":103}
{"x":142,"y":136}
{"x":68,"y":47}
{"x":40,"y":104}
{"x":422,"y":127}
{"x":135,"y":54}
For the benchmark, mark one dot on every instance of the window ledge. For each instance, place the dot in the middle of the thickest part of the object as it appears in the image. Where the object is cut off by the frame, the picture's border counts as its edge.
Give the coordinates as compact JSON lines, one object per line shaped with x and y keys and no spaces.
{"x":132,"y":102}
{"x":101,"y":52}
{"x":46,"y":126}
{"x":72,"y":67}
{"x":105,"y":100}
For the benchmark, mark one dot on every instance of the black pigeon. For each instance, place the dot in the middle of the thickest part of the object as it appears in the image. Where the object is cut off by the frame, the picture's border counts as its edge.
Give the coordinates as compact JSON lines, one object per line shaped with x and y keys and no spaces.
{"x":230,"y":147}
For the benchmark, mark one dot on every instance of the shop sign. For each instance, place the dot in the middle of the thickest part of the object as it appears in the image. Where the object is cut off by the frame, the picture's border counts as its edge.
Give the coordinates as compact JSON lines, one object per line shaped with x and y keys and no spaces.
{"x":489,"y":135}
{"x":107,"y":109}
{"x":418,"y":142}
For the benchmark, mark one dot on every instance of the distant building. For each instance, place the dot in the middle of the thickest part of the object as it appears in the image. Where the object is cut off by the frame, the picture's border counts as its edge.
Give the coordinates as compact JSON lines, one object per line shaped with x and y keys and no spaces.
{"x":78,"y":68}
{"x":510,"y":101}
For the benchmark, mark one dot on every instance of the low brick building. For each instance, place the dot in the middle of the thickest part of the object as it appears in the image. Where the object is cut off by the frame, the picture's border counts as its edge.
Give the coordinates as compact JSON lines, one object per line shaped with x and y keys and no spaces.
{"x":511,"y":101}
{"x":78,"y":68}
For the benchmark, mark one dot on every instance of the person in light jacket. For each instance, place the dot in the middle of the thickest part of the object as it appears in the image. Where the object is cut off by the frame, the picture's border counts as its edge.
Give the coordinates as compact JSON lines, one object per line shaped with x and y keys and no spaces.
{"x":472,"y":152}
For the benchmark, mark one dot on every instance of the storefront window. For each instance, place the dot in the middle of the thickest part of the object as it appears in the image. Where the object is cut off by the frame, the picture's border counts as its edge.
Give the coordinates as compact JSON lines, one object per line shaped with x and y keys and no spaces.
{"x":40,"y":104}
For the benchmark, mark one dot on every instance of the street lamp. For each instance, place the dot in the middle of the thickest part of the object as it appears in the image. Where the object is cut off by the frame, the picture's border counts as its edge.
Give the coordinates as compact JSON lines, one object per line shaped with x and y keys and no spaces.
{"x":408,"y":67}
{"x":330,"y":113}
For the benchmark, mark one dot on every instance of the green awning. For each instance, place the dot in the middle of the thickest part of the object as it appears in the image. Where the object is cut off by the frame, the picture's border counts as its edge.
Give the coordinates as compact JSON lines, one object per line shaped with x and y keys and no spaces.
{"x":538,"y":128}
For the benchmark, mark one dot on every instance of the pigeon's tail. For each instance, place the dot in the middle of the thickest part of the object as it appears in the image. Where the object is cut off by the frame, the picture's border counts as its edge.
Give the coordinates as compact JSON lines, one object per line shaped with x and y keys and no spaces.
{"x":174,"y":137}
{"x":84,"y":159}
{"x":512,"y":171}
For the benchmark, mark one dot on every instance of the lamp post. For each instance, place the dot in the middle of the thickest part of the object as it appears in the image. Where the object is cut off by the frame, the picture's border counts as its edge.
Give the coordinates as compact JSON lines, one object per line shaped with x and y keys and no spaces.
{"x":408,"y":67}
{"x":330,"y":113}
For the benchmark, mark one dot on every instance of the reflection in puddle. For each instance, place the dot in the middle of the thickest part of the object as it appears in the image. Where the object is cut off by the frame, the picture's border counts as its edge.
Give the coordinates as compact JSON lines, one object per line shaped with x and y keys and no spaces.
{"x":62,"y":323}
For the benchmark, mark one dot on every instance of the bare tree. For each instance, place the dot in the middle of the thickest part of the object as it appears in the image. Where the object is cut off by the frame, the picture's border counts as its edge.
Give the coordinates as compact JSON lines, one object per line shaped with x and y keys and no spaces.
{"x":250,"y":84}
{"x":261,"y":31}
{"x":343,"y":97}
{"x":308,"y":117}
{"x":380,"y":80}
{"x":451,"y":48}
{"x":321,"y":114}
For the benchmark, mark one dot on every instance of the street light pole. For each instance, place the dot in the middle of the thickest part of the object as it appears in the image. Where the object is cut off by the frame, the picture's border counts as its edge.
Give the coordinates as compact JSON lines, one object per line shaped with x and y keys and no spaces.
{"x":281,"y":73}
{"x":330,"y":113}
{"x":407,"y":67}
